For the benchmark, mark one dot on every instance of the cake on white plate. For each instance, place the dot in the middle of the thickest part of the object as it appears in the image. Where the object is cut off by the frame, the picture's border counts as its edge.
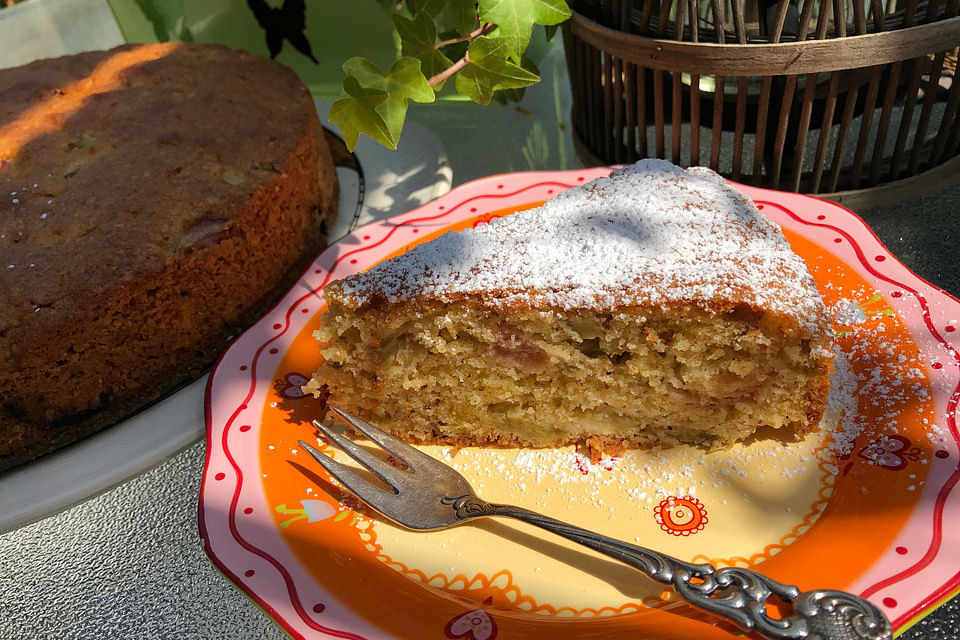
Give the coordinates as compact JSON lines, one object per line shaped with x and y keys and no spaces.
{"x":655,"y":306}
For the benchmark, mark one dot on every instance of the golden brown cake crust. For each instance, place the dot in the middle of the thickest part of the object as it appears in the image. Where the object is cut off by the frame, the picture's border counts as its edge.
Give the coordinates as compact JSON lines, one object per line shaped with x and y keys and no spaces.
{"x":721,"y":329}
{"x":153,"y":200}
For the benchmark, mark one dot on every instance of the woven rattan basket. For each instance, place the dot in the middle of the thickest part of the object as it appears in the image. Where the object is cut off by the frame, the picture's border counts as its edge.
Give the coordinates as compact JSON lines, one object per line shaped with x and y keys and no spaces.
{"x":851,"y":100}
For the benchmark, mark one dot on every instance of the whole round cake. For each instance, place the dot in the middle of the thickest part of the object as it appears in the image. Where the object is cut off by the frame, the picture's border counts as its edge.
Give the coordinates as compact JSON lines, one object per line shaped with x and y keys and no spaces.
{"x":154,"y":200}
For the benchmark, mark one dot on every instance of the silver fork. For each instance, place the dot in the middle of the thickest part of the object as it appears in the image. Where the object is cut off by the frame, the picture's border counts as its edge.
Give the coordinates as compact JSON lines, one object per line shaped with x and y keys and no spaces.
{"x":429,"y":495}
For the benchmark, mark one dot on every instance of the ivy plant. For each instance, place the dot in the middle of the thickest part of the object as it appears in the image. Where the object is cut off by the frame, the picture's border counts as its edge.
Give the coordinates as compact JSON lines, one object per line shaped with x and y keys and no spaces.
{"x":478,"y":43}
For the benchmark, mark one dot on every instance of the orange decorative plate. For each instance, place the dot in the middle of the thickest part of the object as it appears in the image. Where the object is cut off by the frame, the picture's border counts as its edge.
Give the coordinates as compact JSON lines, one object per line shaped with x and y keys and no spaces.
{"x":866,"y":505}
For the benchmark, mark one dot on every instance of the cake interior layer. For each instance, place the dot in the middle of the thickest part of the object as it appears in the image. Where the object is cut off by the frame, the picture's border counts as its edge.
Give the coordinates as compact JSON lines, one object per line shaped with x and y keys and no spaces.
{"x":466,"y":374}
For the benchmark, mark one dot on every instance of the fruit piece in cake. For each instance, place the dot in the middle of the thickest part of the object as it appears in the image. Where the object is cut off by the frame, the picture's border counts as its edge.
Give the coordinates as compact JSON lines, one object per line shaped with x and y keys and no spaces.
{"x":655,"y":306}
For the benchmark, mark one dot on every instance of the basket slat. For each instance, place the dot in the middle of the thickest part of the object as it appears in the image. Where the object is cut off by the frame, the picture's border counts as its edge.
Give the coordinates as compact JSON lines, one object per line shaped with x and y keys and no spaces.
{"x":593,"y":107}
{"x":665,"y":8}
{"x":810,"y":56}
{"x":839,"y":19}
{"x":625,"y":14}
{"x":877,"y":12}
{"x":910,"y":12}
{"x":953,"y":139}
{"x":694,"y":119}
{"x":825,"y":127}
{"x":619,"y":152}
{"x":596,"y":71}
{"x":607,"y":105}
{"x":823,"y":20}
{"x":779,"y":20}
{"x":658,"y":112}
{"x":806,"y":113}
{"x":848,"y":108}
{"x":716,"y":138}
{"x":676,"y":111}
{"x":642,"y":110}
{"x":918,"y":66}
{"x":781,"y":134}
{"x":803,"y":22}
{"x":811,"y":95}
{"x":738,"y":26}
{"x":571,"y":47}
{"x":932,"y":6}
{"x":873,"y":89}
{"x":630,"y":94}
{"x":581,"y":87}
{"x":645,"y":20}
{"x":949,"y":116}
{"x":740,"y":126}
{"x":693,"y":19}
{"x":931,"y":93}
{"x":886,"y":115}
{"x":859,"y":18}
{"x":760,"y":138}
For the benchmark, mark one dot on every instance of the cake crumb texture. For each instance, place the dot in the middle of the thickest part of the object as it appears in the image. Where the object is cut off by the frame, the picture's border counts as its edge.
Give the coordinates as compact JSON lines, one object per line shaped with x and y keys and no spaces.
{"x":650,"y":308}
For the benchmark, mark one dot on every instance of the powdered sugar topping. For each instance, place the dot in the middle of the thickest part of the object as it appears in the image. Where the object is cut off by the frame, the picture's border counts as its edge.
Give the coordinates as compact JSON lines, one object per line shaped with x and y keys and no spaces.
{"x":649,"y":234}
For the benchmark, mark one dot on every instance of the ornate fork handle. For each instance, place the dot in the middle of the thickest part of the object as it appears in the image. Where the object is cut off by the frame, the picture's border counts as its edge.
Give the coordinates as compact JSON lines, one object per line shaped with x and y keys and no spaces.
{"x":739,"y":595}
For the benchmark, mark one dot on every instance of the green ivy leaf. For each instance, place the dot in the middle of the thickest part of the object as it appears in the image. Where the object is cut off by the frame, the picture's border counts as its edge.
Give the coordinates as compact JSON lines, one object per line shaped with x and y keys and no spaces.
{"x":432,"y":8}
{"x":356,"y":112}
{"x":462,"y":15}
{"x":416,"y":35}
{"x":433,"y":62}
{"x":375,"y":103}
{"x":517,"y":17}
{"x":516,"y":95}
{"x":404,"y":81}
{"x":490,"y":69}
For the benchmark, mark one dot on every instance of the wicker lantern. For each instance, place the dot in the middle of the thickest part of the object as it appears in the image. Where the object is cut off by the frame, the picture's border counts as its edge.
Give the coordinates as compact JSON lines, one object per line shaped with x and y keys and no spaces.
{"x":853,"y":100}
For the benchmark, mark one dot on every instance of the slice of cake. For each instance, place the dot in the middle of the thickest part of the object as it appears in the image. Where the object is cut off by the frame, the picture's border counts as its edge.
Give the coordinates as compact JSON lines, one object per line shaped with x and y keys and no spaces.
{"x":653,"y":307}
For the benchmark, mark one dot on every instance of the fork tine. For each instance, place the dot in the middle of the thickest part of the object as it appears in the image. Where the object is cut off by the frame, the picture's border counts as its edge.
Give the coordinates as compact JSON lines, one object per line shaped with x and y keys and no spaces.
{"x":381,"y":468}
{"x":402,"y":450}
{"x":346,"y":476}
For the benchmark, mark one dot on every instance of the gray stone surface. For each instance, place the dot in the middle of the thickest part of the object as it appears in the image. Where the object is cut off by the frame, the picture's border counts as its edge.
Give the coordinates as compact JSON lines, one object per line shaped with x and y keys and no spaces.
{"x":127,"y":564}
{"x":924,"y":234}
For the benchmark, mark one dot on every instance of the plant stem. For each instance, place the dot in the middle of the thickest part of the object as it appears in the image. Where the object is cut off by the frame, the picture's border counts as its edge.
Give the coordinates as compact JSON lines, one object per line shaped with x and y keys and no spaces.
{"x":449,"y":71}
{"x":480,"y":31}
{"x":462,"y":62}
